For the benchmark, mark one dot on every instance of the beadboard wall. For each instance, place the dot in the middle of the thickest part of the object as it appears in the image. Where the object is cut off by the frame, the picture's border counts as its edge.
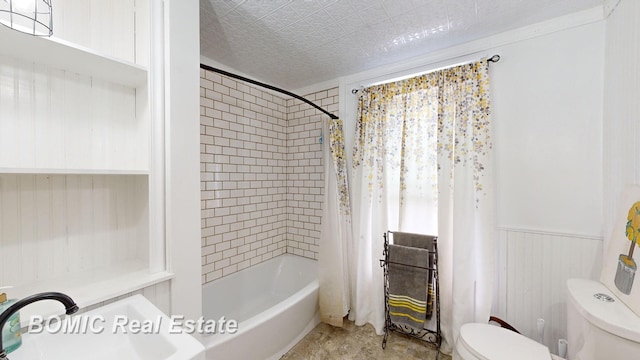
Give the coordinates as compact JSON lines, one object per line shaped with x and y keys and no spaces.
{"x":532,"y":268}
{"x":57,"y":226}
{"x":69,"y":121}
{"x":261,"y":174}
{"x":84,"y":23}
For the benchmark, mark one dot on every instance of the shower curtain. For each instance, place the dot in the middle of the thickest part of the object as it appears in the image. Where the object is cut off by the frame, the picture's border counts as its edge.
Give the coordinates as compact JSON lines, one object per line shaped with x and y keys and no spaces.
{"x":335,"y":234}
{"x":422,"y":163}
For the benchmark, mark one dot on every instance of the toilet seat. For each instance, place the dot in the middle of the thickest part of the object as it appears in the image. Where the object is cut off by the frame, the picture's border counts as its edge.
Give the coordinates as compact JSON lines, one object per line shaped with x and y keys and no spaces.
{"x":489,"y":342}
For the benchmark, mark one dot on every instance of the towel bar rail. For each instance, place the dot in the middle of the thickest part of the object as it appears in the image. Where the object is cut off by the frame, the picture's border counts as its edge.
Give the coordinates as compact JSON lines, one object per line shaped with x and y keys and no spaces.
{"x":382,"y":262}
{"x":428,"y":335}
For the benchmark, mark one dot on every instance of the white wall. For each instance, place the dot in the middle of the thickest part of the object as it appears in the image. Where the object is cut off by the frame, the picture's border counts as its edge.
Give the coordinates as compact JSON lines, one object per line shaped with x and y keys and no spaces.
{"x":547,"y":113}
{"x":547,"y":107}
{"x":182,"y":76}
{"x":621,"y":107}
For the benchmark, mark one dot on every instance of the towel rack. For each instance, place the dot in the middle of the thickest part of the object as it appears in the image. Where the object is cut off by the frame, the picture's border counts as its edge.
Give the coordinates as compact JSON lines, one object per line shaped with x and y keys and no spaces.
{"x":429,"y":335}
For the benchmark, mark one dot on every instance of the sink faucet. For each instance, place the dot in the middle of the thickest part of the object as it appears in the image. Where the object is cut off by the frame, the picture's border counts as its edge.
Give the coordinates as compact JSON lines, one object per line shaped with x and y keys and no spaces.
{"x":69,"y":304}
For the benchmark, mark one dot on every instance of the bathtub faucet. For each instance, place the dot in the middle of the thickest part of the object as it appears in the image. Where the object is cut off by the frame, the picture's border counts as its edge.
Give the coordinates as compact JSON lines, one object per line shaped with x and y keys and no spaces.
{"x":69,"y":304}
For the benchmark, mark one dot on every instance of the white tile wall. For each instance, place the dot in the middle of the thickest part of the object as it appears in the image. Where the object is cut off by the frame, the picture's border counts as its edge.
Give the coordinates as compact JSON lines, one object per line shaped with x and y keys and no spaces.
{"x":261,"y":174}
{"x":305,"y":176}
{"x":243,"y":175}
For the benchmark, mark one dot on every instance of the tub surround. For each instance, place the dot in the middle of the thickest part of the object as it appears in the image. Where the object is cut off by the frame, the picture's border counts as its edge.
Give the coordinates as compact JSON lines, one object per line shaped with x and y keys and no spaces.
{"x":305,"y":172}
{"x":243,"y":175}
{"x":261,"y":174}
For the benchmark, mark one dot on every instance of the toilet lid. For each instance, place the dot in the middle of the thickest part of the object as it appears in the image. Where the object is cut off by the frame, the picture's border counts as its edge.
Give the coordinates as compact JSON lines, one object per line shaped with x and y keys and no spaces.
{"x":490,"y":342}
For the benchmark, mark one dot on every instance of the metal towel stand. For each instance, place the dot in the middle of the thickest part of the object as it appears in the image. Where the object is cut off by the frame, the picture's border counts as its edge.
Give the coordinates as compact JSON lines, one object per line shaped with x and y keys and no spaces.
{"x":426,"y":335}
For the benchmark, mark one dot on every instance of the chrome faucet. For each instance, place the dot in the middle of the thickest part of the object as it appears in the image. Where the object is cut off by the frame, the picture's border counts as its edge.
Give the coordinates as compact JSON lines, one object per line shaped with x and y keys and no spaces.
{"x":69,"y":304}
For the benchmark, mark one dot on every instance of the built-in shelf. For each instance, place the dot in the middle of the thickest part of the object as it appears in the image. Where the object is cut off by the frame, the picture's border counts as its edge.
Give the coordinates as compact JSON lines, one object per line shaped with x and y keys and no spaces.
{"x":43,"y":171}
{"x":64,"y":55}
{"x":80,"y":208}
{"x":87,"y":288}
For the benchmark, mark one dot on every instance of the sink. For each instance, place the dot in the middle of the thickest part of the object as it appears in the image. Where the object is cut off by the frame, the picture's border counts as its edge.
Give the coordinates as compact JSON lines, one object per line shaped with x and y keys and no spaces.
{"x":129,"y":329}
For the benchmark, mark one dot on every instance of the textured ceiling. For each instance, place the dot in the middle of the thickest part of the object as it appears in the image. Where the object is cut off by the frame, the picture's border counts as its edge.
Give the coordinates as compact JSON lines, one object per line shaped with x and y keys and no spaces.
{"x":296,"y":43}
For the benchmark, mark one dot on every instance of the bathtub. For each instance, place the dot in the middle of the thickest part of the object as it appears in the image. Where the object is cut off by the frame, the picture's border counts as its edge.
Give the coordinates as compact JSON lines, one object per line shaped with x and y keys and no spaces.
{"x":275,"y":304}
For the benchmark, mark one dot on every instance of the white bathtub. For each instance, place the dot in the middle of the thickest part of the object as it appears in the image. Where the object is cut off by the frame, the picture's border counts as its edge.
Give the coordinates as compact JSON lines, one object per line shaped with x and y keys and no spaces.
{"x":274,"y":302}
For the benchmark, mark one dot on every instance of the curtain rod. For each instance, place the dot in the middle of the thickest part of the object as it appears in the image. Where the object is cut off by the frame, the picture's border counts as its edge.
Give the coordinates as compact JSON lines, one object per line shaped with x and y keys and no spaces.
{"x":270,"y":87}
{"x":494,"y":59}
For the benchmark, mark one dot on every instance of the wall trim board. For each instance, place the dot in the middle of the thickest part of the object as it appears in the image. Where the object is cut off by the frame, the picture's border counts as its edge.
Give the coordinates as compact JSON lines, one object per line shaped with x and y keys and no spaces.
{"x":610,"y":6}
{"x":182,"y":166}
{"x":549,"y":233}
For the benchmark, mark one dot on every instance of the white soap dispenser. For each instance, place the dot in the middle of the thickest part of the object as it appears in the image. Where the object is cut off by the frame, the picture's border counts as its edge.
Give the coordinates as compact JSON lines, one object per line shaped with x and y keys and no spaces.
{"x":11,"y":335}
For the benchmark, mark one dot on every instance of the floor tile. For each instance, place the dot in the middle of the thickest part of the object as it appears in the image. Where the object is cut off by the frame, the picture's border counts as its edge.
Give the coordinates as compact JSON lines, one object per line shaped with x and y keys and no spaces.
{"x":351,"y":342}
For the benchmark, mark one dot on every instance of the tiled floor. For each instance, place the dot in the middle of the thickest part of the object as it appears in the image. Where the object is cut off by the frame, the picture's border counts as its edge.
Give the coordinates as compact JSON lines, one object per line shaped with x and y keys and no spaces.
{"x":358,"y":342}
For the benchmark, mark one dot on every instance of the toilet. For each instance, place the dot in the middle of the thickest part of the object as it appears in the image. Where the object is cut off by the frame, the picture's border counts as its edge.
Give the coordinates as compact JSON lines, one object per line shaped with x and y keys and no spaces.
{"x":599,"y":326}
{"x":478,"y":341}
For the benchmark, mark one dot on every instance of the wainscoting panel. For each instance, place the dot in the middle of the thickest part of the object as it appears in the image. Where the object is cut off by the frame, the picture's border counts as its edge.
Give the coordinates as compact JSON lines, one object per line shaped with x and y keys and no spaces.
{"x":532,"y":268}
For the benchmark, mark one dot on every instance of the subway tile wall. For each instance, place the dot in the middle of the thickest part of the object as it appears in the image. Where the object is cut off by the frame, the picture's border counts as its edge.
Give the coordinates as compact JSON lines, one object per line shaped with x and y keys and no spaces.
{"x":261,"y":174}
{"x":305,"y":180}
{"x":243,"y":175}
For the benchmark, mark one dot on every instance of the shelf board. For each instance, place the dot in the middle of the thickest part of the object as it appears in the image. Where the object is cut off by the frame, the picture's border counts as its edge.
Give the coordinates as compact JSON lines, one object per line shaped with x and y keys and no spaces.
{"x":72,"y":171}
{"x":87,"y":289}
{"x":61,"y":54}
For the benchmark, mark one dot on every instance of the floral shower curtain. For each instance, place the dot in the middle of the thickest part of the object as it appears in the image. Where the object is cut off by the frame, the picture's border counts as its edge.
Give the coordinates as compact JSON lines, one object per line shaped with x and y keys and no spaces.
{"x":422,"y":164}
{"x":335,"y":232}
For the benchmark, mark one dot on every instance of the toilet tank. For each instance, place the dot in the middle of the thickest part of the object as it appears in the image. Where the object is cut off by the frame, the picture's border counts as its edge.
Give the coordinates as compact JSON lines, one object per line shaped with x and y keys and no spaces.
{"x":599,"y":325}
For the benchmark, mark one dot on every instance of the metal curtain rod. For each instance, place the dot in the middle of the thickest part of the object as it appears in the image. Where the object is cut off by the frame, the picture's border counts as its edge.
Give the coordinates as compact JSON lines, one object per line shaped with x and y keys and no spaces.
{"x":219,"y":71}
{"x":494,"y":59}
